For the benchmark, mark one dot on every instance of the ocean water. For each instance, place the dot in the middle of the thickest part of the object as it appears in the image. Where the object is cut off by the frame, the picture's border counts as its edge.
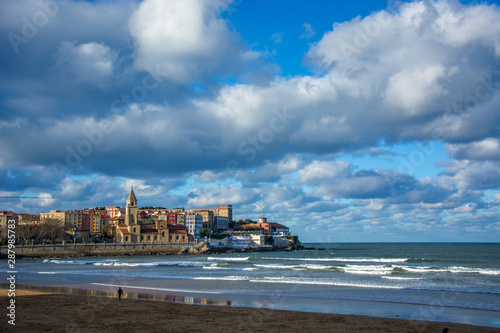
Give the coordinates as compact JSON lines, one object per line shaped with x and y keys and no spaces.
{"x":432,"y":278}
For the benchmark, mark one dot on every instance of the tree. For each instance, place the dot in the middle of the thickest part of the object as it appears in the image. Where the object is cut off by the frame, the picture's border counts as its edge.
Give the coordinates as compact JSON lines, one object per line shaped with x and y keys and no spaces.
{"x":50,"y":230}
{"x":269,"y":240}
{"x":3,"y":233}
{"x":26,"y":232}
{"x":247,"y":221}
{"x":158,"y":208}
{"x":109,"y":230}
{"x":218,"y":235}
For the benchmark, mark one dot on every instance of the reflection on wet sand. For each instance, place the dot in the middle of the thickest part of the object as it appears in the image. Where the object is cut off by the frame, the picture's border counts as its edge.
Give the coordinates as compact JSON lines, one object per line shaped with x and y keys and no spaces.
{"x":126,"y":295}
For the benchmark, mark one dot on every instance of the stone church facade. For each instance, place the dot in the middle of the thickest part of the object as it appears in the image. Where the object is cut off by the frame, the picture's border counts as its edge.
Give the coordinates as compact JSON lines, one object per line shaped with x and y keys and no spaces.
{"x":131,"y":231}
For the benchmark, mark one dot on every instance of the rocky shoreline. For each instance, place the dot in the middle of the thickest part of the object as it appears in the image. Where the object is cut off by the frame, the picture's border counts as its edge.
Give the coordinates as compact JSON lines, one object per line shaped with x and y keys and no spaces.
{"x":203,"y":248}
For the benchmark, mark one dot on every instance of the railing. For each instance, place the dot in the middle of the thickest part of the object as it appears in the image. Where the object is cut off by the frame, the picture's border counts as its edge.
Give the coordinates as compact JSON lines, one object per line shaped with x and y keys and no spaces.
{"x":93,"y":249}
{"x":89,"y":244}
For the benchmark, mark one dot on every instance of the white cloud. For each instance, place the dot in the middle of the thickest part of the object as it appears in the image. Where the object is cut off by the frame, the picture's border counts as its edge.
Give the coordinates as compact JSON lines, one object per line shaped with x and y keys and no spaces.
{"x":278,"y":37}
{"x":289,"y":164}
{"x":70,"y":189}
{"x":181,"y":39}
{"x":318,"y":171}
{"x":467,"y":208}
{"x":214,"y":196}
{"x":88,"y":62}
{"x":308,"y":31}
{"x":245,"y":109}
{"x":412,"y":89}
{"x":487,"y":149}
{"x":389,"y":77}
{"x":209,"y":176}
{"x":459,"y":27}
{"x":239,"y":107}
{"x":469,"y":175}
{"x":142,"y":189}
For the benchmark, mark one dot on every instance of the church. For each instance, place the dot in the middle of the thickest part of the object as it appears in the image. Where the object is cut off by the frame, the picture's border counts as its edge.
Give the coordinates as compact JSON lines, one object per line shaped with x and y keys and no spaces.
{"x":131,"y":231}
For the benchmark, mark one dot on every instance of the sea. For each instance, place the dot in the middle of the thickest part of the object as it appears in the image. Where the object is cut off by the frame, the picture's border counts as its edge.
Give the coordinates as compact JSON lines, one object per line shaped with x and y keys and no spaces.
{"x":456,"y":282}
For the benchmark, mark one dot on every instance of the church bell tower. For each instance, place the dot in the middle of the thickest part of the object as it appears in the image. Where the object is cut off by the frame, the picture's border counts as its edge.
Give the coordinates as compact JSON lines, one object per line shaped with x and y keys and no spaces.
{"x":131,"y":209}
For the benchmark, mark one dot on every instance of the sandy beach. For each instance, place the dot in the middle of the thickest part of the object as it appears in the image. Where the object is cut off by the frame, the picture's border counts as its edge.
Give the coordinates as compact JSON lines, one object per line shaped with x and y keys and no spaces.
{"x":45,"y":312}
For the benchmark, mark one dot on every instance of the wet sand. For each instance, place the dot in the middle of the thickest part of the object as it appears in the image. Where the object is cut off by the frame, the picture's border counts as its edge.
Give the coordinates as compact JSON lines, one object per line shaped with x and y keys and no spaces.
{"x":45,"y":312}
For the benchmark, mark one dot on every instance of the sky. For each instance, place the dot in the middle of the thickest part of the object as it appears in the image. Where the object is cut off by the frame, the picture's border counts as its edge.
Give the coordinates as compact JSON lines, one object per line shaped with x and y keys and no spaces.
{"x":360,"y":121}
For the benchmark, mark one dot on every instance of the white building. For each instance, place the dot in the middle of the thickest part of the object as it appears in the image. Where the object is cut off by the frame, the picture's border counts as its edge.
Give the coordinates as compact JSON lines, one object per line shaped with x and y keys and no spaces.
{"x":242,"y":241}
{"x":194,"y":223}
{"x":258,"y":239}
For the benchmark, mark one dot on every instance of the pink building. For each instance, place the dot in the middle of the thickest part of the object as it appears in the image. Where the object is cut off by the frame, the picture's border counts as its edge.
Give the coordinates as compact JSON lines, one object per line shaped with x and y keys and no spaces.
{"x":115,"y":211}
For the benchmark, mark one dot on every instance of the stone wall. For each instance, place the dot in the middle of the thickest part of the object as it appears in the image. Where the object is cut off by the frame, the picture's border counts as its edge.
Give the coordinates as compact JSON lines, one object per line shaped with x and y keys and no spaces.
{"x":92,"y":249}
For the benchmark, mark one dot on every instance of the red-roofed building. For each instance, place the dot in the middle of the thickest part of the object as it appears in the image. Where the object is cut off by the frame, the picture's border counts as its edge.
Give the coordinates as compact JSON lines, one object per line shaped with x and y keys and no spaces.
{"x":115,"y":211}
{"x":144,"y":215}
{"x":267,"y":228}
{"x":274,"y":229}
{"x":131,"y":228}
{"x":177,"y":236}
{"x":124,"y":231}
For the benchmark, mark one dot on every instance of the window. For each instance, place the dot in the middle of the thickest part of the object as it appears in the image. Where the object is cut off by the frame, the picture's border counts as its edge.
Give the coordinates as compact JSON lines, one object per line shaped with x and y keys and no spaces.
{"x":126,"y":238}
{"x":163,"y":234}
{"x":134,"y":229}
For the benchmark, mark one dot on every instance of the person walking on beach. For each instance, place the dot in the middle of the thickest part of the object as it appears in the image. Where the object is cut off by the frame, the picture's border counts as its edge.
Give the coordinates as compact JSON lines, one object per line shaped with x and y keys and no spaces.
{"x":120,"y":293}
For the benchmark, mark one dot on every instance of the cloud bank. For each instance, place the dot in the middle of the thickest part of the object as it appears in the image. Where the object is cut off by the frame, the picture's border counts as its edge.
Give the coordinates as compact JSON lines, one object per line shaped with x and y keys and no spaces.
{"x":157,"y":92}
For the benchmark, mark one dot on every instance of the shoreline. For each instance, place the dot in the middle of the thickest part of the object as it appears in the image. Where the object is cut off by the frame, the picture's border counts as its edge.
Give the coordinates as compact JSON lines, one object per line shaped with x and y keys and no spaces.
{"x":54,"y":312}
{"x":127,"y":250}
{"x":271,"y":282}
{"x":338,"y":307}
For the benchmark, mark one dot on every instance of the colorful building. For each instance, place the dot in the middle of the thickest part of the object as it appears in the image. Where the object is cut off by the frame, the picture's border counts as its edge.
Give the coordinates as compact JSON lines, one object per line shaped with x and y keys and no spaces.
{"x":129,"y":230}
{"x":194,"y":223}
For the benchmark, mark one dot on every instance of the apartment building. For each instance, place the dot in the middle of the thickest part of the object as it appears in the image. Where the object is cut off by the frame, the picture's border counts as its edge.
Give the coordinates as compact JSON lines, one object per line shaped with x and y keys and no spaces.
{"x":194,"y":223}
{"x":71,"y":219}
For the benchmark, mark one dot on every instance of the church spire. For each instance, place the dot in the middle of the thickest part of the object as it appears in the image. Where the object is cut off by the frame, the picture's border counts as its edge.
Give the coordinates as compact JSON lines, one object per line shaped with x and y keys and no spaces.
{"x":131,"y":208}
{"x":131,"y":196}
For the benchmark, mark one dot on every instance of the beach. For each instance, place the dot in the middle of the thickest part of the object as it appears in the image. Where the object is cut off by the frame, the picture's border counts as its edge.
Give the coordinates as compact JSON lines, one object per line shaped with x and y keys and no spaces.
{"x":447,"y":283}
{"x":48,"y":312}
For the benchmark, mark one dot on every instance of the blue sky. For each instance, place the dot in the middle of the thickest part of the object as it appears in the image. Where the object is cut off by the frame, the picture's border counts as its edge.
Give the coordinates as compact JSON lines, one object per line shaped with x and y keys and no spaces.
{"x":362,"y":121}
{"x":279,"y":26}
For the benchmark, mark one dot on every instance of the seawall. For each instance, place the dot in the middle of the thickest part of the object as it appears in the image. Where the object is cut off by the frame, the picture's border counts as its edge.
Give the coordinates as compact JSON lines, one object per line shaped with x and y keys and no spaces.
{"x":91,"y":249}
